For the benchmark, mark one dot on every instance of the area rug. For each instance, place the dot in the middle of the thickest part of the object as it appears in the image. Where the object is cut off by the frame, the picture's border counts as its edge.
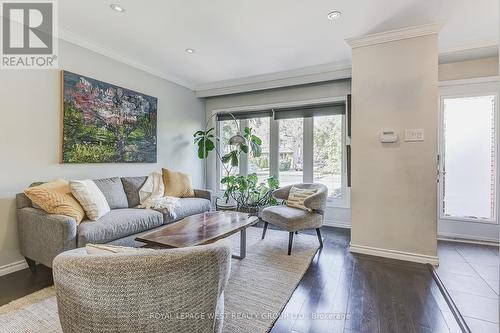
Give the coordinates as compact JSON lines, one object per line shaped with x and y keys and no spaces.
{"x":259,"y":287}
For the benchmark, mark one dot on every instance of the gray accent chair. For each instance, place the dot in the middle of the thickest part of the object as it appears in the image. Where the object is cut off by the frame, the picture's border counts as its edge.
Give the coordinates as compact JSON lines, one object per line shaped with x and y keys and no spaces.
{"x":174,"y":290}
{"x":43,"y":236}
{"x":294,"y":219}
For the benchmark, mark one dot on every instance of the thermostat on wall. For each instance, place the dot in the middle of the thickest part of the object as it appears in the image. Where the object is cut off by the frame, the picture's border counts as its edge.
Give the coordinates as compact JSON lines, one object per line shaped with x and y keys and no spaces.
{"x":388,"y":136}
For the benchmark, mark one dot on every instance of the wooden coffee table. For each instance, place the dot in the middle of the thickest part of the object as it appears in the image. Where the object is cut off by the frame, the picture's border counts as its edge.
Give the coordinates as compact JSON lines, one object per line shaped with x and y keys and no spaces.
{"x":200,"y":229}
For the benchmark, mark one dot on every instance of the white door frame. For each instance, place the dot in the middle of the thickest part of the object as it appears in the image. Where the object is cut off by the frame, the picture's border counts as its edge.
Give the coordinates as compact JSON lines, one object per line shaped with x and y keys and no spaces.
{"x":466,"y":228}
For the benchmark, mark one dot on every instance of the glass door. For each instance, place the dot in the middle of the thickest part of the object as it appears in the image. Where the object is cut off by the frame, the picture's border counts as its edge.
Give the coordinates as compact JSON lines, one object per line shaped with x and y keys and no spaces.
{"x":468,"y":167}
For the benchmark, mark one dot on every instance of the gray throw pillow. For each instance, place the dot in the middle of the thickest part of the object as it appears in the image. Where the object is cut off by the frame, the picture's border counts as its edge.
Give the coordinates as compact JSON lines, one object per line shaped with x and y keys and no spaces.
{"x":113,"y":191}
{"x":132,"y":185}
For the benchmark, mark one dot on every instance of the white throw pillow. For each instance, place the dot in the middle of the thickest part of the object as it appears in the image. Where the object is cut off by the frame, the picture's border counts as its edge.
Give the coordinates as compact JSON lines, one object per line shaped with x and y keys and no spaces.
{"x":90,"y":197}
{"x":297,"y":196}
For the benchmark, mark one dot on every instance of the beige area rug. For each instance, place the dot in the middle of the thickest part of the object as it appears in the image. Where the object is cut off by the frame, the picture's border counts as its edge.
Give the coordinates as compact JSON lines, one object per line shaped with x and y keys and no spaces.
{"x":259,"y":287}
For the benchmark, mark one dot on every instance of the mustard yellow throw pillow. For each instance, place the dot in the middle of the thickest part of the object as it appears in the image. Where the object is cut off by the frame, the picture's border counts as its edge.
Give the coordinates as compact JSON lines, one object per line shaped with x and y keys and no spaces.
{"x":296,"y":197}
{"x":55,"y":198}
{"x":177,"y":184}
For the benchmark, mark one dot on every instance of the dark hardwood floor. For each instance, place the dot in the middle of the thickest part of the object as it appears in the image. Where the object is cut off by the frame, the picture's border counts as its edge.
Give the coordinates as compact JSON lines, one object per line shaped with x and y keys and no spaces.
{"x":23,"y":282}
{"x":345,"y":292}
{"x":340,"y":292}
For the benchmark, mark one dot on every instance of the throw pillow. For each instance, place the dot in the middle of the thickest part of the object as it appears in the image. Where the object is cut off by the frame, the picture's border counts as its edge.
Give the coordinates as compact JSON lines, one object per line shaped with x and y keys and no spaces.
{"x":113,"y":191}
{"x":296,"y":197}
{"x":177,"y":184}
{"x":108,"y":249}
{"x":55,"y":198}
{"x":90,"y":197}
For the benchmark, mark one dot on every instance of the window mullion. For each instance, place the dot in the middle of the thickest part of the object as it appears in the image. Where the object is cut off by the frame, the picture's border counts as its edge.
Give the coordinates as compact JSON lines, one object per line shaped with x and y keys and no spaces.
{"x":243,"y":156}
{"x":308,"y":140}
{"x":274,"y":148}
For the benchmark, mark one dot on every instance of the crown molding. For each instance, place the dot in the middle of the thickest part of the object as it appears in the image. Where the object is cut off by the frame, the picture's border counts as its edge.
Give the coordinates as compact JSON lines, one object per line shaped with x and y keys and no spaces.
{"x":474,"y":51}
{"x":394,"y":35}
{"x":306,"y":75}
{"x":75,"y":39}
{"x":485,"y":44}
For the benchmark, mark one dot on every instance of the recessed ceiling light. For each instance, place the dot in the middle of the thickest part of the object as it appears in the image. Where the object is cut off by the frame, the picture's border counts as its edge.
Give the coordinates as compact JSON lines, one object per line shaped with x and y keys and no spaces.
{"x":117,"y":7}
{"x":190,"y":51}
{"x":335,"y":15}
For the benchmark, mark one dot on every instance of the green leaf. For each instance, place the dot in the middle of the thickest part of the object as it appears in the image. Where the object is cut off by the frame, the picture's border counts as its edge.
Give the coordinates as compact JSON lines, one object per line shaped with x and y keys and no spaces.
{"x":234,"y":158}
{"x":201,"y":150}
{"x":244,"y":148}
{"x":198,"y":133}
{"x":273,"y":183}
{"x":256,"y":149}
{"x":255,"y":139}
{"x":226,"y":158}
{"x":253,"y":178}
{"x":209,"y":145}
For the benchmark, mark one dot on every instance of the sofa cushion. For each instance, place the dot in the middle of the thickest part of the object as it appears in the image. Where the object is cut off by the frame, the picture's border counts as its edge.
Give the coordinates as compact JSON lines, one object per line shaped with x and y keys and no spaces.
{"x":113,"y":191}
{"x":187,"y":207}
{"x":291,"y":219}
{"x":132,"y":185}
{"x":116,"y":224}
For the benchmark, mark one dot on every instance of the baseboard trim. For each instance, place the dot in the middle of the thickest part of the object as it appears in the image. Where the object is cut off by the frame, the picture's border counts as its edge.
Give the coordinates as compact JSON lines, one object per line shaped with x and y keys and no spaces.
{"x":337,"y":224}
{"x":394,"y":254}
{"x":467,"y":239}
{"x":13,"y":267}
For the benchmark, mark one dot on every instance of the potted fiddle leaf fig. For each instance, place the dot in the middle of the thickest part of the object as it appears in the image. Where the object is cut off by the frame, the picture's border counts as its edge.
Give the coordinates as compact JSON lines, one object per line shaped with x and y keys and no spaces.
{"x":246,"y":191}
{"x":240,"y":143}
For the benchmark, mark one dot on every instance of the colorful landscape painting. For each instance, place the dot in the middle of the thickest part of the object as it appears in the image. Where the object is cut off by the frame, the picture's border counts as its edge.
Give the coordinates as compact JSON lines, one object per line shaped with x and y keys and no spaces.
{"x":103,"y":123}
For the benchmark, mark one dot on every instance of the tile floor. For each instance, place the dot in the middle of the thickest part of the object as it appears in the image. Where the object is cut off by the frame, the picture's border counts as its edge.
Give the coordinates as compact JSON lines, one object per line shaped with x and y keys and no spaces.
{"x":470,"y":272}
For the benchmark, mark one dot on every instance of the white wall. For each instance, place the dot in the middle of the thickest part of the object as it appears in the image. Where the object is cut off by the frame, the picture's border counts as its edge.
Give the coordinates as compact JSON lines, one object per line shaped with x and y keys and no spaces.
{"x":333,"y":216}
{"x":30,"y":130}
{"x":395,"y":86}
{"x":460,"y":70}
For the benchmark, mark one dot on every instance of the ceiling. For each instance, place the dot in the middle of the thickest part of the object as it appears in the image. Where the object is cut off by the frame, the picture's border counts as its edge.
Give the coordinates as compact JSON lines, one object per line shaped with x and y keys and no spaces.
{"x":235,"y":39}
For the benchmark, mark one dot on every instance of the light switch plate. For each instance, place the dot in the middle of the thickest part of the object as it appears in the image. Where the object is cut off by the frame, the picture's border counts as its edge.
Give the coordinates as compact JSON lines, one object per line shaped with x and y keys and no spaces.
{"x":414,"y":134}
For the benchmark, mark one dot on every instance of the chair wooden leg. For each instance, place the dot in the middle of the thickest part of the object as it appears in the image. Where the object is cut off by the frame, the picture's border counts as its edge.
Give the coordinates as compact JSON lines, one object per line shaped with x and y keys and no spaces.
{"x":318,"y":231}
{"x":290,"y":241}
{"x":31,"y":265}
{"x":265,"y":229}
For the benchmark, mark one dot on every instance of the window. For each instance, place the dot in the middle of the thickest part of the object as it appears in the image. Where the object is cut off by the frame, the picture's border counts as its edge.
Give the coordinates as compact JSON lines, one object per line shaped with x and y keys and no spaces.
{"x":227,"y":129}
{"x":291,"y":154}
{"x":468,"y":174}
{"x":328,"y":153}
{"x":260,"y":165}
{"x":299,"y":144}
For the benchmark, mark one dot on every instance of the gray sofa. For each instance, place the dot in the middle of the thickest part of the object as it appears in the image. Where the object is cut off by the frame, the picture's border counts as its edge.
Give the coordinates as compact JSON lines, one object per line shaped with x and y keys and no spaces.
{"x":43,"y":236}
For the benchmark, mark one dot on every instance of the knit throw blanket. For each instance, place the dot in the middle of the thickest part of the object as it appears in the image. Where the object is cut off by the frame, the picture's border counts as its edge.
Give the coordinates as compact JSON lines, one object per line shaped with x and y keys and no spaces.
{"x":152,"y":196}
